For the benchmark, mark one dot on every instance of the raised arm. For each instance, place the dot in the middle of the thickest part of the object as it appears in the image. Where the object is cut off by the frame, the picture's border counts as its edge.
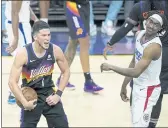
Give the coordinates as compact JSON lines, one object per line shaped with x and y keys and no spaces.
{"x":128,"y":25}
{"x":32,"y":15}
{"x":16,"y":6}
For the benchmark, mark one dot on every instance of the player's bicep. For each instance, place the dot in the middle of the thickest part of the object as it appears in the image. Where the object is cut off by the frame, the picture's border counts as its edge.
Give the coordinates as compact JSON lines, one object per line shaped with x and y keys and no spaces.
{"x":15,"y":72}
{"x":143,"y":64}
{"x":60,"y":59}
{"x":152,"y":52}
{"x":19,"y":61}
{"x":134,"y":13}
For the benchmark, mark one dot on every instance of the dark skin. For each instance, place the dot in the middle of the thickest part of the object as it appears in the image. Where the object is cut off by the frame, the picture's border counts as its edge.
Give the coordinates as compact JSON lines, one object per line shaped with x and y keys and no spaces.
{"x":151,"y":52}
{"x":135,"y":72}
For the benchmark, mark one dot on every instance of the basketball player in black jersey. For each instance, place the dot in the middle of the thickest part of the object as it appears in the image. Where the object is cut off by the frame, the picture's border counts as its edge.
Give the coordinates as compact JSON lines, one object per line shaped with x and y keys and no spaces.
{"x":36,"y":63}
{"x":139,"y":13}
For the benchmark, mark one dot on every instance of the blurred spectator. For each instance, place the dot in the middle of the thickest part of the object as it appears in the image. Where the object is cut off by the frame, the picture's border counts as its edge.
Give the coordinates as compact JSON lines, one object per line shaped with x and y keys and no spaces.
{"x":108,"y":24}
{"x":44,"y":6}
{"x":4,"y":36}
{"x":3,"y":29}
{"x":93,"y":27}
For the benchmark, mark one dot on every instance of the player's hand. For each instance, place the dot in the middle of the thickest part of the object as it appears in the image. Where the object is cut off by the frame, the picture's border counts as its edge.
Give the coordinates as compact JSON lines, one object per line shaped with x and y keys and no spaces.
{"x":106,"y":49}
{"x":123,"y":94}
{"x":105,"y":67}
{"x":53,"y":99}
{"x":30,"y":105}
{"x":12,"y":47}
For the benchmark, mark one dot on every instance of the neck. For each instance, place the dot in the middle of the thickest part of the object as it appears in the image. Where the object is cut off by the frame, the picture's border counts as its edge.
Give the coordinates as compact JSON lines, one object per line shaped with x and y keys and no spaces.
{"x":149,"y":36}
{"x":37,"y":48}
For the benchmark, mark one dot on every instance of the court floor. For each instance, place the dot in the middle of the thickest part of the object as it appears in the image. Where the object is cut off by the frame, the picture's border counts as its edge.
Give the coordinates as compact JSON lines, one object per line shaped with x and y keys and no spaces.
{"x":84,"y":109}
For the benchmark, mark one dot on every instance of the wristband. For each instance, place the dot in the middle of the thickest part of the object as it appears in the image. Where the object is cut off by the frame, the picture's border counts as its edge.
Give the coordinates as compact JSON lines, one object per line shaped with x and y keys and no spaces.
{"x":59,"y":92}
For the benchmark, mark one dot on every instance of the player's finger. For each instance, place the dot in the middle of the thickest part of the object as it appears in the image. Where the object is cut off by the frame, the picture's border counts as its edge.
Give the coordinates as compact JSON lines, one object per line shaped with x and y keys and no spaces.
{"x":50,"y":103}
{"x":48,"y":98}
{"x":7,"y":49}
{"x":124,"y":98}
{"x":34,"y":102}
{"x":110,"y":49}
{"x":101,"y":68}
{"x":105,"y":53}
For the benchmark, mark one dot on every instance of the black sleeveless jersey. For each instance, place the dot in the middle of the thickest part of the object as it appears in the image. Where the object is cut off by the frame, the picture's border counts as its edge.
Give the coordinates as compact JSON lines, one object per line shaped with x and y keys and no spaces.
{"x":139,"y":13}
{"x":37,"y":73}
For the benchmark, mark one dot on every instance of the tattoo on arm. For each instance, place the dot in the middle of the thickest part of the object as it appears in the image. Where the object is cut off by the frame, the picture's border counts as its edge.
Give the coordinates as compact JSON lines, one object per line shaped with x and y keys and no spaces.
{"x":71,"y":51}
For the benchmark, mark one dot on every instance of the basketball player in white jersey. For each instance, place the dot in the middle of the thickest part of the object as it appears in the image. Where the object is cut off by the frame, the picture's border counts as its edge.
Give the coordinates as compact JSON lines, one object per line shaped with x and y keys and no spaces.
{"x":18,"y":15}
{"x":145,"y":72}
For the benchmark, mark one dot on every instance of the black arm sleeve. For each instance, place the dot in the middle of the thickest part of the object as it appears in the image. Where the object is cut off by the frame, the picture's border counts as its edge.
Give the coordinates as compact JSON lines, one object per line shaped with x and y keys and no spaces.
{"x":127,"y":26}
{"x":121,"y":32}
{"x":136,"y":12}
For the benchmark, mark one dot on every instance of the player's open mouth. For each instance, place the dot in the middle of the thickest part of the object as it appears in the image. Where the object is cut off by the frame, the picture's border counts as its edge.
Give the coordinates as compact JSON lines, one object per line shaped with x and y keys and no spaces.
{"x":149,"y":29}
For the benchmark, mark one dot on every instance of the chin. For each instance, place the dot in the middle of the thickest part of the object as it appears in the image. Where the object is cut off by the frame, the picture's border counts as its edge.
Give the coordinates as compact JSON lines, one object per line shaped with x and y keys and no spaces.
{"x":46,"y":48}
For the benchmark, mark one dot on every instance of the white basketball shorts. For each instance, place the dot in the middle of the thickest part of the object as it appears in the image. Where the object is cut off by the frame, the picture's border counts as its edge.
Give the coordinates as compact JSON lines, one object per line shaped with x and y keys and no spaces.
{"x":143,"y":100}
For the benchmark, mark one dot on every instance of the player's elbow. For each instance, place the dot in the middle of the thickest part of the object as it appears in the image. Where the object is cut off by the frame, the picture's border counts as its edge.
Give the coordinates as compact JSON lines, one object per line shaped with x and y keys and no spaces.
{"x":11,"y":84}
{"x":136,"y":73}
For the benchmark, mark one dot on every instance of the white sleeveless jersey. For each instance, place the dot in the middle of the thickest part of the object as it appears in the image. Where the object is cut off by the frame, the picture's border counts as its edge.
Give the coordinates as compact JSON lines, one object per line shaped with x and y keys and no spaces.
{"x":24,"y":14}
{"x":151,"y":75}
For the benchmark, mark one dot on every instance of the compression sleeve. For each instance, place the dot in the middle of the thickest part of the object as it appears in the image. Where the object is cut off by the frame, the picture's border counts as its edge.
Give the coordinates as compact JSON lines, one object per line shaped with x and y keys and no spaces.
{"x":121,"y":32}
{"x":128,"y":25}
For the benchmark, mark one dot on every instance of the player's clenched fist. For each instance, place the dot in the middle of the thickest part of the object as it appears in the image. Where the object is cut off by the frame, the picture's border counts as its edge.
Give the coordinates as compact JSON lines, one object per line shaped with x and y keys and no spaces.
{"x":105,"y":67}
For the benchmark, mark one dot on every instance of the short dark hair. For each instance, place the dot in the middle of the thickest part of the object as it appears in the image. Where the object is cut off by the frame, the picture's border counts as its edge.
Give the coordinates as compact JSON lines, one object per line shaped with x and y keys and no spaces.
{"x":39,"y":25}
{"x":165,"y":20}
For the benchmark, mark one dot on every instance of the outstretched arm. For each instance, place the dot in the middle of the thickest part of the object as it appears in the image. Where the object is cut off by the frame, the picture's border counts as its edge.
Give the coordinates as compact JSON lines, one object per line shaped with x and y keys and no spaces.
{"x":152,"y":52}
{"x":128,"y":25}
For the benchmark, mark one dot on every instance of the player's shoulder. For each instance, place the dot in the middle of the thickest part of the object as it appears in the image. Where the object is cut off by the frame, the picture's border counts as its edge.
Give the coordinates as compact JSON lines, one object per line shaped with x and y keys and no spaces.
{"x":21,"y":55}
{"x":21,"y":51}
{"x":56,"y":47}
{"x":57,"y":51}
{"x":25,"y":49}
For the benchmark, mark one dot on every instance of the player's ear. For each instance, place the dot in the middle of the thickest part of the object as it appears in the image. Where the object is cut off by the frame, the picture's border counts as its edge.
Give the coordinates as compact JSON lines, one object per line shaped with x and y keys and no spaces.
{"x":146,"y":22}
{"x":35,"y":37}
